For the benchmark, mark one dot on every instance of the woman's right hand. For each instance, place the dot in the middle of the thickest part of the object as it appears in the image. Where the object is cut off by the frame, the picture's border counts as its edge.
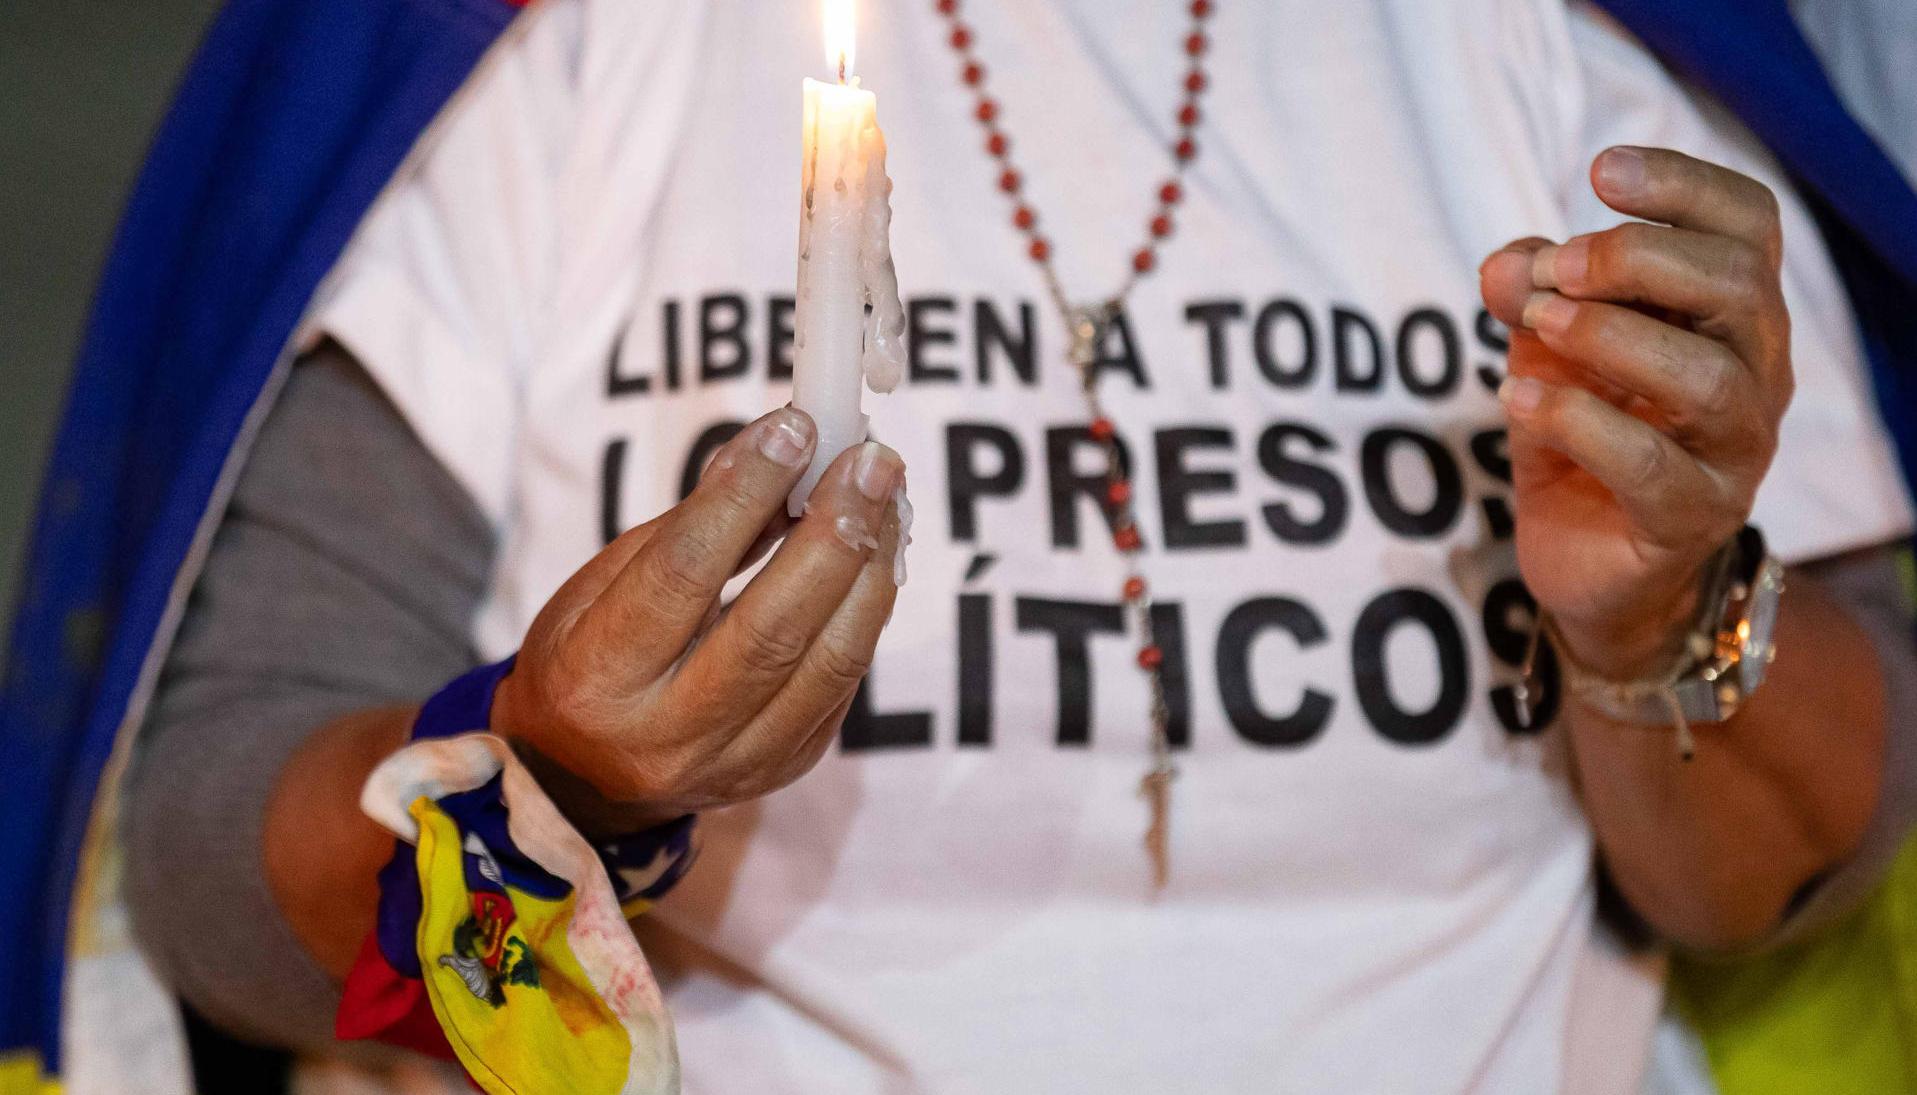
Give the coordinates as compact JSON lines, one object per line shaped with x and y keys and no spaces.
{"x":635,"y":697}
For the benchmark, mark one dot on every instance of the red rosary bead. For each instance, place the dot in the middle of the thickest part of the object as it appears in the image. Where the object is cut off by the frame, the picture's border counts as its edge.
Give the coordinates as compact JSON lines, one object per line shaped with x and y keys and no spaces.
{"x":1194,"y":81}
{"x":1161,"y":226}
{"x":1134,"y":588}
{"x":1143,"y":261}
{"x":1118,"y":492}
{"x":961,"y":37}
{"x":1170,"y":193}
{"x":1186,"y":148}
{"x":996,"y":144}
{"x":1188,"y":115}
{"x":987,"y":110}
{"x":1040,"y":249}
{"x":1024,"y":218}
{"x":1151,"y":657}
{"x":1126,"y":538}
{"x":947,"y":7}
{"x":1101,"y":429}
{"x":974,"y":74}
{"x":1200,"y":8}
{"x":1195,"y":45}
{"x":1008,"y":181}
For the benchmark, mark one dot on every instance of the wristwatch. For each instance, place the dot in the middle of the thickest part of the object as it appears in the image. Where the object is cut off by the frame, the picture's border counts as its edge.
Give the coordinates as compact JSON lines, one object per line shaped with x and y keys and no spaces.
{"x":1725,"y":656}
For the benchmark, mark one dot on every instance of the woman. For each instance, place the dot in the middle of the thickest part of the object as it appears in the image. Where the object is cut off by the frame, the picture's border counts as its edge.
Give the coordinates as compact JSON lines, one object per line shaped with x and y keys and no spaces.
{"x":1378,"y":851}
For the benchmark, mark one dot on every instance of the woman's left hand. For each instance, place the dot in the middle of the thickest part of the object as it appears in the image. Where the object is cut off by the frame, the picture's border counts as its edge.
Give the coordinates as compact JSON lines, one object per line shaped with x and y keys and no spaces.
{"x":1649,"y":369}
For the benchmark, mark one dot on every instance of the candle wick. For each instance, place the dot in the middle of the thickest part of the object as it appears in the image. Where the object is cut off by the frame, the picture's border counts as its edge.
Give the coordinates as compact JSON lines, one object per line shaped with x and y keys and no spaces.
{"x":841,"y":69}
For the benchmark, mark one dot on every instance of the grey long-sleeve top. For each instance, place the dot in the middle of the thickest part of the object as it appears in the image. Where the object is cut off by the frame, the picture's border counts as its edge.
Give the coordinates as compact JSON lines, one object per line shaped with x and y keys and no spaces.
{"x":343,"y":576}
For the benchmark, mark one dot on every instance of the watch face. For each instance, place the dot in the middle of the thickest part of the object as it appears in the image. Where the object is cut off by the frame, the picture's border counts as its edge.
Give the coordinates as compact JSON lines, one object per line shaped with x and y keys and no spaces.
{"x":1759,"y":625}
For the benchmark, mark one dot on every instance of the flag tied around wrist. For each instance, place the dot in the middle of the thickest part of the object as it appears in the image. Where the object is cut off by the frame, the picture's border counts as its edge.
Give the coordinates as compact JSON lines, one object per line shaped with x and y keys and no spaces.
{"x":500,"y":941}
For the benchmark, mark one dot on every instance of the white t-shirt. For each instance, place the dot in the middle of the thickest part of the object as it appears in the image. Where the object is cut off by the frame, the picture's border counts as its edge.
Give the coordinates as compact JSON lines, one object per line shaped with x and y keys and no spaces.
{"x":1378,"y":884}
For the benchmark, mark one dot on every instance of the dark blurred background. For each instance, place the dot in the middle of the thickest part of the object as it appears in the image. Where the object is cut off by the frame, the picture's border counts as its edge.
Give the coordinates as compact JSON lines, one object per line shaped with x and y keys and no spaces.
{"x":82,"y":84}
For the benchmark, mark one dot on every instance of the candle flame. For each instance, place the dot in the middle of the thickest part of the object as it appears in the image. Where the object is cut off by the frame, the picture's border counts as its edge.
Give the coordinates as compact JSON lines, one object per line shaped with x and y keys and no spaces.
{"x":841,"y":40}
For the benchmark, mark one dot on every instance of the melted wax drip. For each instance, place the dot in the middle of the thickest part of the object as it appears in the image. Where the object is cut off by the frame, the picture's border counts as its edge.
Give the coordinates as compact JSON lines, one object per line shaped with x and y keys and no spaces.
{"x":904,"y":507}
{"x":884,"y":356}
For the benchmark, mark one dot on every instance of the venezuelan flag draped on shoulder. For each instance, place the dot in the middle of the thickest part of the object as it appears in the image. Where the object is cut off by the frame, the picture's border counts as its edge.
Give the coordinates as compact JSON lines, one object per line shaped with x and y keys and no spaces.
{"x":290,"y":122}
{"x":1752,"y":57}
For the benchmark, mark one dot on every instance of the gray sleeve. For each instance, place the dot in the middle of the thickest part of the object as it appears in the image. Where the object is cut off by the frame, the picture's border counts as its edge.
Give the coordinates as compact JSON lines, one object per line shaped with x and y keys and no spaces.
{"x":1870,"y":585}
{"x":343,"y":575}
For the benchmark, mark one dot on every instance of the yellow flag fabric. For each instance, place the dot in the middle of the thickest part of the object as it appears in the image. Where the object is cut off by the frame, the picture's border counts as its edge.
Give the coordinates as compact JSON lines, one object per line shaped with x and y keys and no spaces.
{"x":549,"y":1032}
{"x":1832,"y":1015}
{"x":20,"y":1074}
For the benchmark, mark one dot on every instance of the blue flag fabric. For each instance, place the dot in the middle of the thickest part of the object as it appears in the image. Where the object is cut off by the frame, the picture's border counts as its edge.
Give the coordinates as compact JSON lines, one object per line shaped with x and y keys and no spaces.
{"x":1752,"y":57}
{"x":293,"y":116}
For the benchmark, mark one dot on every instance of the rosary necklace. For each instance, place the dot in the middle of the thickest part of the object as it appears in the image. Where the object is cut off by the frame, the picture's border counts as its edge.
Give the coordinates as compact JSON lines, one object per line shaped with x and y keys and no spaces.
{"x":1087,"y":325}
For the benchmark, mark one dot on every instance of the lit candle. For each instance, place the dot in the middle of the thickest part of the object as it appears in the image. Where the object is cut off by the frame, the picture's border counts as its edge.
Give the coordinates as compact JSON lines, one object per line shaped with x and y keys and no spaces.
{"x":850,"y":326}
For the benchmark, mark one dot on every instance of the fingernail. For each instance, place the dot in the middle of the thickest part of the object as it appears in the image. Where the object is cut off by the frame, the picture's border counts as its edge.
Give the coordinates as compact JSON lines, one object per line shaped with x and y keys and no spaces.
{"x":1621,"y":171}
{"x":785,"y":438}
{"x":876,"y":473}
{"x":1520,"y":394}
{"x":1549,"y":312}
{"x":1544,"y":272}
{"x":1570,"y":263}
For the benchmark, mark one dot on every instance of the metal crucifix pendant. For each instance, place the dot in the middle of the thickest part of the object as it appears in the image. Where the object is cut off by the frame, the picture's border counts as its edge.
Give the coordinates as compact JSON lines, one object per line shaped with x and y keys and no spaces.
{"x":1087,"y":325}
{"x":1156,"y":787}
